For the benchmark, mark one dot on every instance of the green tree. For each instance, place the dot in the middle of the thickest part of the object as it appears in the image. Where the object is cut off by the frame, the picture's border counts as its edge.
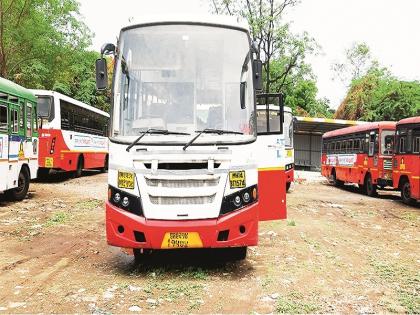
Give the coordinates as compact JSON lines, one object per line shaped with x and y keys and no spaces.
{"x":378,"y":95}
{"x":43,"y":45}
{"x":282,"y":52}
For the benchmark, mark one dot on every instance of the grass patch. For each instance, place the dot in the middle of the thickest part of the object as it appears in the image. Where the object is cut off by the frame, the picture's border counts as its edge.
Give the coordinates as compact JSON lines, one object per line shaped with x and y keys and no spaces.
{"x":294,"y":304}
{"x":291,"y":223}
{"x":90,"y":204}
{"x":57,"y":219}
{"x":403,"y":281}
{"x":194,"y":273}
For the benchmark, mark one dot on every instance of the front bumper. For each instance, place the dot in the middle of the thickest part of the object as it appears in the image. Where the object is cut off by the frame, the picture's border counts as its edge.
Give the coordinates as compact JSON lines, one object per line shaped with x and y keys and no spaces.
{"x":208,"y":229}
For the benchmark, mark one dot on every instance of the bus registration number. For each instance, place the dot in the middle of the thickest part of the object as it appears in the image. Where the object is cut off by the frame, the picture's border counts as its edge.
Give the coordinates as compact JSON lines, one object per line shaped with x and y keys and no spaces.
{"x":125,"y":180}
{"x":181,"y":240}
{"x":49,"y":162}
{"x":237,"y":179}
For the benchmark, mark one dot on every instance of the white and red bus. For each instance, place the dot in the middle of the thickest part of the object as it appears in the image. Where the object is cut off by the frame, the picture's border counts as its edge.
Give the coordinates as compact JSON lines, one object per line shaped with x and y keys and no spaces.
{"x":184,"y":164}
{"x":406,"y":175}
{"x":18,"y":139}
{"x":360,"y":155}
{"x":72,"y":135}
{"x":269,"y":122}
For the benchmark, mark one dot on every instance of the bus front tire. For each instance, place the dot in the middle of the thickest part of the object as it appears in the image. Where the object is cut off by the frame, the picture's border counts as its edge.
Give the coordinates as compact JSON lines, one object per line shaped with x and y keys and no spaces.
{"x":370,"y":187}
{"x":80,"y":166}
{"x":288,"y":186}
{"x":105,"y":168}
{"x":336,"y":182}
{"x":406,"y":193}
{"x":19,"y":193}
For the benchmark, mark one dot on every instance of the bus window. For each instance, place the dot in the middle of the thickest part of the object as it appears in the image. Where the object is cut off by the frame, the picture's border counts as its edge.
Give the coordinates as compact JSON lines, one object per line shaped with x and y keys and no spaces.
{"x":3,"y":118}
{"x":387,"y":142}
{"x":15,"y":121}
{"x":372,"y":138}
{"x":416,"y":145}
{"x":401,"y":148}
{"x":46,"y":111}
{"x":28,"y":120}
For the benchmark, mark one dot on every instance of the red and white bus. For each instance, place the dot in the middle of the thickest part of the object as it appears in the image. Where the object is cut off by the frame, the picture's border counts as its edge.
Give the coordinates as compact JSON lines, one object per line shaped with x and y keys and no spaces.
{"x":406,"y":174}
{"x":360,"y":155}
{"x":72,"y":135}
{"x":185,"y":169}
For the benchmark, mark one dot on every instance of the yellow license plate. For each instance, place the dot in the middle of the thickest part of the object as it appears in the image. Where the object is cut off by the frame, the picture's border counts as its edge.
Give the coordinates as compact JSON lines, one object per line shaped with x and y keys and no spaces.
{"x":49,"y":162}
{"x":237,"y":179}
{"x":181,"y":240}
{"x":289,"y":153}
{"x":125,"y":180}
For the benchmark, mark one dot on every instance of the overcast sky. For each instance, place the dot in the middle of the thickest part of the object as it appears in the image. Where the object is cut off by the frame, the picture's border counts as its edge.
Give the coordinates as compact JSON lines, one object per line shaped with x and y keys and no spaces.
{"x":390,"y":28}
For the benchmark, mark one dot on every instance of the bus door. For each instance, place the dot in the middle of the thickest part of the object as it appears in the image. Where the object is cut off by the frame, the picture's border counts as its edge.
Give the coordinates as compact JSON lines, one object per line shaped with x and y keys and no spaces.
{"x":4,"y":146}
{"x":270,"y":154}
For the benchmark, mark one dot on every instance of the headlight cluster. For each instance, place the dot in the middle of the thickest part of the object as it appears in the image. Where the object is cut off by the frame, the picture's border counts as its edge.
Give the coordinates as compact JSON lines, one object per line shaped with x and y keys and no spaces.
{"x":289,"y":166}
{"x":240,"y":199}
{"x":124,"y":201}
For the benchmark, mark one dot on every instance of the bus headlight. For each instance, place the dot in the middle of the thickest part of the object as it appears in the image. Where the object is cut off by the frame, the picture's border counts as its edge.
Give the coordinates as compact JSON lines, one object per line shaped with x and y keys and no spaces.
{"x":117,"y":197}
{"x":125,"y":201}
{"x":239,"y":200}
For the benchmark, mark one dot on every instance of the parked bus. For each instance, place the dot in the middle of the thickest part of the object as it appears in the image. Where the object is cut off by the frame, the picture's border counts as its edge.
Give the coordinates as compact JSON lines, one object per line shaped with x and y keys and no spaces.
{"x":18,"y":139}
{"x":272,"y":111}
{"x":183,"y":167}
{"x":406,"y":175}
{"x":360,"y":155}
{"x":72,"y":135}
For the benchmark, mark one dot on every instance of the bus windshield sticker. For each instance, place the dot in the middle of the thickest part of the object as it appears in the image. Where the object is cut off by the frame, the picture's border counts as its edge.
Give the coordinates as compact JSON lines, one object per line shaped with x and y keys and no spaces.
{"x":237,"y":179}
{"x":125,"y":180}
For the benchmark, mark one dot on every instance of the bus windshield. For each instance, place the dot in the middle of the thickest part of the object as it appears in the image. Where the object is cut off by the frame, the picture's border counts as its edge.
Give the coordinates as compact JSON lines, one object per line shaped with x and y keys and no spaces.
{"x":184,"y":78}
{"x":288,"y":129}
{"x":387,"y":142}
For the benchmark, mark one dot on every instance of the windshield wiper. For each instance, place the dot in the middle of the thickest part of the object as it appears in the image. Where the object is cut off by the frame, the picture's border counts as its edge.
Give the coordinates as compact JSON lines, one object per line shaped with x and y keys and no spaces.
{"x":155,"y":131}
{"x":208,"y":130}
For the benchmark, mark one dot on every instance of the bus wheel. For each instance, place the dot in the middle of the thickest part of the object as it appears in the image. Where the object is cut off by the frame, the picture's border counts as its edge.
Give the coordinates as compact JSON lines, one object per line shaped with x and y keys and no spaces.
{"x":105,"y":168}
{"x":336,"y":182}
{"x":370,"y":187}
{"x":406,"y":193}
{"x":19,"y":193}
{"x":288,"y":186}
{"x":80,"y":166}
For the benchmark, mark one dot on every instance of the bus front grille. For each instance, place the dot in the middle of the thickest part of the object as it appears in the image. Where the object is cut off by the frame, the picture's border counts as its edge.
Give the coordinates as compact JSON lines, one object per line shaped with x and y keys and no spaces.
{"x":182,"y":183}
{"x":182,"y":200}
{"x":388,"y":165}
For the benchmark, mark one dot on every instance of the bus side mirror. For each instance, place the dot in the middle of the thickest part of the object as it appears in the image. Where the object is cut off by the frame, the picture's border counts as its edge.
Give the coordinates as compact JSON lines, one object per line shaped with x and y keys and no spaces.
{"x":257,"y":69}
{"x":101,"y":74}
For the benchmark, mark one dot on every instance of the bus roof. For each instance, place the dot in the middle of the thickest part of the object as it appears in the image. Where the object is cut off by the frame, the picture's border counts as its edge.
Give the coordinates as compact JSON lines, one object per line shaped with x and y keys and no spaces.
{"x":69,"y":99}
{"x":14,"y":89}
{"x":411,"y":120}
{"x":360,"y":128}
{"x":221,"y":20}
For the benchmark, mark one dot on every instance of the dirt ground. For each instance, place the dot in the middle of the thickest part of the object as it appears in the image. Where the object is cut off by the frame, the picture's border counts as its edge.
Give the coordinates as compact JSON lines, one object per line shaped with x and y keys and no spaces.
{"x":338,"y":251}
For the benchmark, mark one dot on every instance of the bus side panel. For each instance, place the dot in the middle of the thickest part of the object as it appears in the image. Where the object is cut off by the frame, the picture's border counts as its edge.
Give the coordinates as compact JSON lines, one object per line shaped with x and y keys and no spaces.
{"x":94,"y":160}
{"x":272,"y":196}
{"x":413,"y":168}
